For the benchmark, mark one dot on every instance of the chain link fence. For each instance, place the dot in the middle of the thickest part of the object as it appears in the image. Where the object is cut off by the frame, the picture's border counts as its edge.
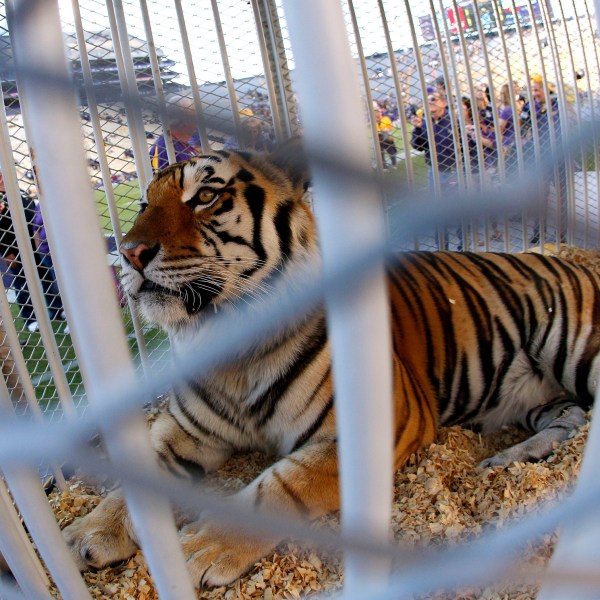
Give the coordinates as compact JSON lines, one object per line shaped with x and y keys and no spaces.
{"x":459,"y":98}
{"x":496,"y":89}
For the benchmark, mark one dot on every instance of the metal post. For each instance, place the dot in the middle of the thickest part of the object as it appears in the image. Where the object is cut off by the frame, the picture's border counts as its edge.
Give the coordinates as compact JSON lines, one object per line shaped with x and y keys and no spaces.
{"x":104,"y":166}
{"x":18,"y":551}
{"x":579,"y":545}
{"x":189,"y":62}
{"x":118,"y":27}
{"x":27,"y":258}
{"x":227,"y":69}
{"x":100,"y":343}
{"x":349,"y":216}
{"x":277,"y":72}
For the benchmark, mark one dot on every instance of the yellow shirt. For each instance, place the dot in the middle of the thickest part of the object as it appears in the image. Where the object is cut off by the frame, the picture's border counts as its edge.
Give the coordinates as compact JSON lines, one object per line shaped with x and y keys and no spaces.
{"x":385,"y":124}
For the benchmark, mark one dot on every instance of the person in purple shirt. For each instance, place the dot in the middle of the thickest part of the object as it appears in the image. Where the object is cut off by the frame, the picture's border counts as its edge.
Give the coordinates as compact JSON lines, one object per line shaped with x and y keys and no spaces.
{"x":45,"y":269}
{"x":443,"y":138}
{"x":487,"y":130}
{"x":445,"y":150}
{"x":10,"y":252}
{"x":508,"y":123}
{"x":184,"y":134}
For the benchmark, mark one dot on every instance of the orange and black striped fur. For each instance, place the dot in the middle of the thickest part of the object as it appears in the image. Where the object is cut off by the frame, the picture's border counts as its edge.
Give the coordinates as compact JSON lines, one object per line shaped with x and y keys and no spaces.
{"x":486,"y":339}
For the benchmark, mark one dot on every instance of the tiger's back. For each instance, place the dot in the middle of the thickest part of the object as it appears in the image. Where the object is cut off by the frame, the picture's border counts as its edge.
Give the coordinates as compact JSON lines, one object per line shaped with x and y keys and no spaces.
{"x":497,"y":338}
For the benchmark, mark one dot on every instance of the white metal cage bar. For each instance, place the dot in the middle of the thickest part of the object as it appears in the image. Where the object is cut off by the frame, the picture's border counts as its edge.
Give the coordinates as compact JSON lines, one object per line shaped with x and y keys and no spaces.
{"x":358,"y":311}
{"x":101,"y":345}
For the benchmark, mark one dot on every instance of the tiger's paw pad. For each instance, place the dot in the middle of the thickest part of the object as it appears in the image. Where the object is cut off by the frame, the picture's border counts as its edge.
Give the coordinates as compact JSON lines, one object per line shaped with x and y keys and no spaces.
{"x":96,"y":547}
{"x":216,"y":556}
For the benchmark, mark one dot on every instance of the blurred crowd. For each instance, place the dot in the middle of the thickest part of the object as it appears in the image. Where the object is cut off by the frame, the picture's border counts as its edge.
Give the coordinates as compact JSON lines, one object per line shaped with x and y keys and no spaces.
{"x":481,"y":141}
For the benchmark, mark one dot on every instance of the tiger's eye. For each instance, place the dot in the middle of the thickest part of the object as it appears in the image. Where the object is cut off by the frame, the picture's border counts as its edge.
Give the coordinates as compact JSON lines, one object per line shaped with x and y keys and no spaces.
{"x":206,"y":196}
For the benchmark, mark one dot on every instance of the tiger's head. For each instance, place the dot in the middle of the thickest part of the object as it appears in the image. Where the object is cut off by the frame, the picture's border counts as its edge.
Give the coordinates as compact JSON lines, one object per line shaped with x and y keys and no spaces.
{"x":216,"y":229}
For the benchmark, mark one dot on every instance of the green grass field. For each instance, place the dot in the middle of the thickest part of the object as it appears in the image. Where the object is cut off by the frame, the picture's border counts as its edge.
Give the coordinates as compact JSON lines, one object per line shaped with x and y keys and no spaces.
{"x":127,"y":196}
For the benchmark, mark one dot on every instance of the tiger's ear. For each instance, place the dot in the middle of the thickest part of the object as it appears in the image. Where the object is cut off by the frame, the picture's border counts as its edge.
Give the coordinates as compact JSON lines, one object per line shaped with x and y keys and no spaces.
{"x":290,"y":157}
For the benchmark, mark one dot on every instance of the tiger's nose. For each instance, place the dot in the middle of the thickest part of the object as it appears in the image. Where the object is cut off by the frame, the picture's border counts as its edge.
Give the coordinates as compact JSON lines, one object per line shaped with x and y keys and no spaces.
{"x":138,"y":255}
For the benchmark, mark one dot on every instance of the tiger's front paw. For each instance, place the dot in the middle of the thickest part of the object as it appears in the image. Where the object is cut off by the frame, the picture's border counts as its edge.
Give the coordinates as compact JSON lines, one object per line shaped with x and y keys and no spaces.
{"x":217,"y":556}
{"x":101,"y":538}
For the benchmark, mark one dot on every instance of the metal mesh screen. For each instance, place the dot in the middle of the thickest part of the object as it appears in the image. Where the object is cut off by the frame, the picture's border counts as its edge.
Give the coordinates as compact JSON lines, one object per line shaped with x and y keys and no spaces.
{"x":459,"y":99}
{"x":496,"y":90}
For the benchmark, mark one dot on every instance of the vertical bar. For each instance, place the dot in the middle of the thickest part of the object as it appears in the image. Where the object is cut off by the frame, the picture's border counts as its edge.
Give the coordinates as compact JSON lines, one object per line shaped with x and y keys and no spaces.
{"x":26,"y":253}
{"x":158,"y":85}
{"x":271,"y":65}
{"x":277,"y":74}
{"x":100,"y":343}
{"x":225,"y":60}
{"x":557,"y":139}
{"x":18,"y":552}
{"x":578,"y":546}
{"x":25,"y":378}
{"x":122,"y":50}
{"x":592,"y":113}
{"x":367,"y":88}
{"x":104,"y":167}
{"x":189,"y":61}
{"x":410,"y":176}
{"x":17,"y":354}
{"x":484,"y":181}
{"x":518,"y":133}
{"x":359,"y":311}
{"x":41,"y":524}
{"x":594,"y":48}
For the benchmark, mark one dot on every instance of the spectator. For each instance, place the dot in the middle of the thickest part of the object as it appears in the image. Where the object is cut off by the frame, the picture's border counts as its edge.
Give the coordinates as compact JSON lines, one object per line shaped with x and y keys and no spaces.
{"x":252,"y":136}
{"x":543,"y":115}
{"x":184,"y":134}
{"x":10,"y":253}
{"x":443,"y":140}
{"x":385,"y":135}
{"x":440,"y":86}
{"x":508,"y":124}
{"x":471,"y":162}
{"x":487,"y":132}
{"x":470,"y":159}
{"x":486,"y":165}
{"x":46,"y":267}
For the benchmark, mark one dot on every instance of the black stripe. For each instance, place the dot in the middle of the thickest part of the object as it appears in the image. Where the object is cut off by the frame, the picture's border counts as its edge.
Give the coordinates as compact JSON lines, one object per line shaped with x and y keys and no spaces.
{"x":301,"y":507}
{"x":315,"y":425}
{"x":209,"y":172}
{"x":213,"y":405}
{"x":213,"y":157}
{"x":225,"y":206}
{"x":182,"y":426}
{"x":255,"y":196}
{"x":244,"y":175}
{"x":284,"y":228}
{"x":193,"y":469}
{"x":193,"y":421}
{"x":592,"y":347}
{"x":226,"y":238}
{"x":266,"y":404}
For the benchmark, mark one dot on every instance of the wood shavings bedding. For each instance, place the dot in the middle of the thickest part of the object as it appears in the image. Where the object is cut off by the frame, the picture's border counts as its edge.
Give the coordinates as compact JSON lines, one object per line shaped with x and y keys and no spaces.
{"x":440,"y":498}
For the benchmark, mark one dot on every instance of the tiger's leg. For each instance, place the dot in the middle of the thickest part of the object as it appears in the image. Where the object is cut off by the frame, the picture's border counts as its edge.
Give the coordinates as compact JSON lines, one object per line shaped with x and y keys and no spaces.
{"x":303,"y":484}
{"x":553,"y":422}
{"x":106,"y":536}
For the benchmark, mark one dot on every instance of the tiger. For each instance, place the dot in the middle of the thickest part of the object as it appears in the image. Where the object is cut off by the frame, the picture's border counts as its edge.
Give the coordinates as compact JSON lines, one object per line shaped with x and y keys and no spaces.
{"x":479,"y":339}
